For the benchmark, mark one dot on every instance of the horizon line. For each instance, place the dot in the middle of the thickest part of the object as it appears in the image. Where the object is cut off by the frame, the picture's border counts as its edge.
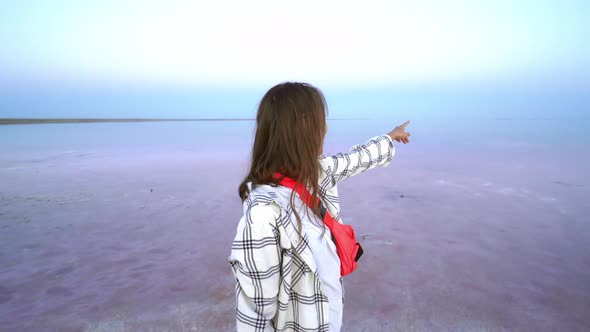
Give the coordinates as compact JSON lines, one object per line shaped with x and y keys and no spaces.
{"x":16,"y":121}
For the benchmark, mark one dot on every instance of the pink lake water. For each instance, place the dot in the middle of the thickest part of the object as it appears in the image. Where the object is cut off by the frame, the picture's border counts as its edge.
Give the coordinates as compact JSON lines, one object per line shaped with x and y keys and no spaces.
{"x":127,"y":227}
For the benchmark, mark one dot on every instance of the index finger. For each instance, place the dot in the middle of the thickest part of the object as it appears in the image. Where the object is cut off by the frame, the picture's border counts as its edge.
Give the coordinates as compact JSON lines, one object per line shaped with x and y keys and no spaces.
{"x":406,"y":123}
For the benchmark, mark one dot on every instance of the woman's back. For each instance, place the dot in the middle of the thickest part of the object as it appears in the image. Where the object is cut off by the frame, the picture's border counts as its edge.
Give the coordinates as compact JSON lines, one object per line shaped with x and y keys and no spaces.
{"x":323,"y":249}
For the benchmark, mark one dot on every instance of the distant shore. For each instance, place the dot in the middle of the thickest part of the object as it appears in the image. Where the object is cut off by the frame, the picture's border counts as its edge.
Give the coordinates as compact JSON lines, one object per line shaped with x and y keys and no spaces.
{"x":12,"y":121}
{"x":15,"y":121}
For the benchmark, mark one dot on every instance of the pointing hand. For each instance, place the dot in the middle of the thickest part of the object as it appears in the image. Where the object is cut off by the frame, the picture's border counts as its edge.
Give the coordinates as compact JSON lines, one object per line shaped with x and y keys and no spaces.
{"x":399,"y":133}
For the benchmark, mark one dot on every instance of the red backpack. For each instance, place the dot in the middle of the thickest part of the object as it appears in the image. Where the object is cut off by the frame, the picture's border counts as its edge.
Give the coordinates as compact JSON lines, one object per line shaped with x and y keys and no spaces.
{"x":348,"y":249}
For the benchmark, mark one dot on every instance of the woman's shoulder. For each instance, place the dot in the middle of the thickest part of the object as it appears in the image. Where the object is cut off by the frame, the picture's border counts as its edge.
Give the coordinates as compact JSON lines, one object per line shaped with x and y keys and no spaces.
{"x":260,"y":217}
{"x":262,"y":199}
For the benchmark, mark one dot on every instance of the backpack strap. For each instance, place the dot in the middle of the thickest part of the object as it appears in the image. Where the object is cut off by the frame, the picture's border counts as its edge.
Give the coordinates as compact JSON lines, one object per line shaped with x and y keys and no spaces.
{"x":346,"y":245}
{"x":306,"y":197}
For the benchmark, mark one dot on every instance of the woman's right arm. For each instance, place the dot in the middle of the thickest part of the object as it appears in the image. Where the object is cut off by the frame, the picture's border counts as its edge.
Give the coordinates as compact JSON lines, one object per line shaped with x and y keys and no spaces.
{"x":255,"y":261}
{"x":377,"y":151}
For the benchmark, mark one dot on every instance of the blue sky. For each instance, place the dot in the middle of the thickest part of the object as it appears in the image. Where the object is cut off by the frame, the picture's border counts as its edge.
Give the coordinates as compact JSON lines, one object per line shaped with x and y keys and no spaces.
{"x":325,"y":42}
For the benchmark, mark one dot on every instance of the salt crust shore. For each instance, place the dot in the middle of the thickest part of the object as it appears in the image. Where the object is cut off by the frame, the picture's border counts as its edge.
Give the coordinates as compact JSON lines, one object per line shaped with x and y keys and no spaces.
{"x":93,"y":242}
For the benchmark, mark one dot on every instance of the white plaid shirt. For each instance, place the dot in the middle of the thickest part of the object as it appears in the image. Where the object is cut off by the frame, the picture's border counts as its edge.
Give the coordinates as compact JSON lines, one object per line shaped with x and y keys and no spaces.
{"x":277,"y":283}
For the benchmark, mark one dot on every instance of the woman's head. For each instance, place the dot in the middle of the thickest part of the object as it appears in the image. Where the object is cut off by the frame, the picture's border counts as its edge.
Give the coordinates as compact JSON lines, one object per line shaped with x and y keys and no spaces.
{"x":290,"y":130}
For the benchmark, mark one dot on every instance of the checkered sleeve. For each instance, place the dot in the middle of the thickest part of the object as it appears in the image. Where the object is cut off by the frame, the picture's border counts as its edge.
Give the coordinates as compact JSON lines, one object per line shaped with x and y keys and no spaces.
{"x":255,"y":262}
{"x":377,"y":151}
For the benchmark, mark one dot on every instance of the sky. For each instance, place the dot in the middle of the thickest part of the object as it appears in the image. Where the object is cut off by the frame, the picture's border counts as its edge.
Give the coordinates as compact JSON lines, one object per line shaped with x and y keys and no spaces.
{"x":337,"y":43}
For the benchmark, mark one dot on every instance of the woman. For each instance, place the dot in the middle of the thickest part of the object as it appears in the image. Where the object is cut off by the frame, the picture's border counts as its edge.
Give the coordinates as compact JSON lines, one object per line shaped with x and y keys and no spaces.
{"x":284,"y":260}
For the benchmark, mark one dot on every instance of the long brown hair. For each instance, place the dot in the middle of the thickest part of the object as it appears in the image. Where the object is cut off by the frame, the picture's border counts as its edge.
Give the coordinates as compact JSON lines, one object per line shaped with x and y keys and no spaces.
{"x":290,"y":130}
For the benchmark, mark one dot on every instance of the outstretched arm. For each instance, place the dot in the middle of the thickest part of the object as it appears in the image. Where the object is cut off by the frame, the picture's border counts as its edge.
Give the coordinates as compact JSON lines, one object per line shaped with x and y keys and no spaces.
{"x":377,"y":151}
{"x":255,"y":261}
